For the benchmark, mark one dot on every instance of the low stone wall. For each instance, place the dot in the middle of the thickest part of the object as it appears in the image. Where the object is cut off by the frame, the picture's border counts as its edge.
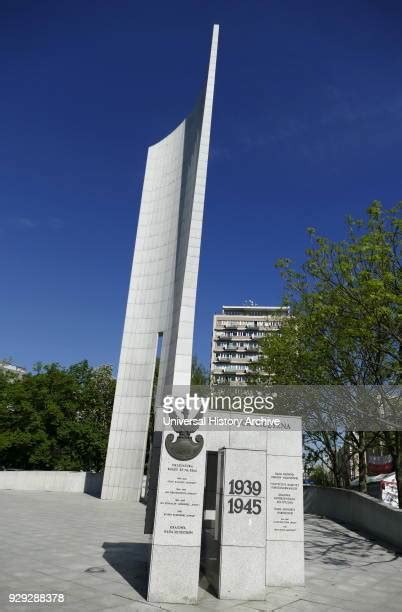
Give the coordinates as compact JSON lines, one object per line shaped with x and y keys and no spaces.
{"x":358,"y":510}
{"x":42,"y":480}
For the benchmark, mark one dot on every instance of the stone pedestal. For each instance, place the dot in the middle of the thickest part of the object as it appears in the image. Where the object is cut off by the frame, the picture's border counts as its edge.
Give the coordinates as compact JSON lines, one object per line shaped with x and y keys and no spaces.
{"x":241,"y":523}
{"x":175,"y":555}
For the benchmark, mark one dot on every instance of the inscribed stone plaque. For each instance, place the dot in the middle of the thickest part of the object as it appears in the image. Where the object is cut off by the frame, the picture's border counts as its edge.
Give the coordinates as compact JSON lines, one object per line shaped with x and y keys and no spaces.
{"x":242,"y":524}
{"x":175,"y":555}
{"x":243,"y":504}
{"x":284,"y":498}
{"x":179,"y":502}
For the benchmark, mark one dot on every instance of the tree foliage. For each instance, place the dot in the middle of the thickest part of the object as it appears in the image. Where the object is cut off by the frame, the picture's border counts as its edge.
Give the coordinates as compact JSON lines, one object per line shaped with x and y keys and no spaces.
{"x":346,"y":301}
{"x":346,"y":323}
{"x":199,"y":374}
{"x":57,"y":418}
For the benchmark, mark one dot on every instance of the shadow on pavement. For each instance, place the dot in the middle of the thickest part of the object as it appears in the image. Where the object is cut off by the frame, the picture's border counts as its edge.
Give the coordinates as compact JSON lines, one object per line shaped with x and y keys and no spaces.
{"x":337,"y":544}
{"x":130,"y":560}
{"x":93,"y":484}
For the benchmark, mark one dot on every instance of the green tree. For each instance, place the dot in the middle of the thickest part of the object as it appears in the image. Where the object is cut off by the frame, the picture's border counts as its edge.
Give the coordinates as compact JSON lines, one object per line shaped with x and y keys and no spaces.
{"x":58,"y":418}
{"x":320,"y":476}
{"x":346,"y":323}
{"x":199,"y":375}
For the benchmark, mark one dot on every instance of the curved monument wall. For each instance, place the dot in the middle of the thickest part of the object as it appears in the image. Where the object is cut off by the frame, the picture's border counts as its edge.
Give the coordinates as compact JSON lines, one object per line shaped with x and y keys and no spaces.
{"x":162,"y":291}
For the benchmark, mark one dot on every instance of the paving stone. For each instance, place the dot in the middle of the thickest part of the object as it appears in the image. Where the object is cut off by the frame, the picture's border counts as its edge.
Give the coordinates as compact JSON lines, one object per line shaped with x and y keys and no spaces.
{"x":48,"y":540}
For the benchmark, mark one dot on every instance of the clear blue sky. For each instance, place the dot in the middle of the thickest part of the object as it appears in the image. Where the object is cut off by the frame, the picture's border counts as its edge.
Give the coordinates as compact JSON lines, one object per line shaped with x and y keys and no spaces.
{"x":307,"y":128}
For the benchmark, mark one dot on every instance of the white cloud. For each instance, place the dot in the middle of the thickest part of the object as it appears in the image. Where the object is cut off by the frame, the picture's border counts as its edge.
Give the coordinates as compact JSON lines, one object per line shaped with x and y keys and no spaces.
{"x":24,"y":222}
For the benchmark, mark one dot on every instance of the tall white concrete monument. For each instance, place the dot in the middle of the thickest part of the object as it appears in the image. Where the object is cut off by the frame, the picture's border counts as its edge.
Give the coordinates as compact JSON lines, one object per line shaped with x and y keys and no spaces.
{"x":161,"y":300}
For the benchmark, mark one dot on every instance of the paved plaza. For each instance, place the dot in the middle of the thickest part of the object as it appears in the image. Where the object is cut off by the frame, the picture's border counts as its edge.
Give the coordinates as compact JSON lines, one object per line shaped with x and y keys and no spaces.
{"x":94,"y":552}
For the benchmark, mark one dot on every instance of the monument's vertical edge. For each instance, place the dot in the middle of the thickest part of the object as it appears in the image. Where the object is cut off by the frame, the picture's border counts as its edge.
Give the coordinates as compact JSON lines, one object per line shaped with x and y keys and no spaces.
{"x":162,"y":291}
{"x":182,"y":374}
{"x":175,"y":366}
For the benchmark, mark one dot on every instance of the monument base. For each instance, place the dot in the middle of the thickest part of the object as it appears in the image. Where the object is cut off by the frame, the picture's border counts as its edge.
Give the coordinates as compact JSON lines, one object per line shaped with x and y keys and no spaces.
{"x":175,"y":574}
{"x":175,"y":557}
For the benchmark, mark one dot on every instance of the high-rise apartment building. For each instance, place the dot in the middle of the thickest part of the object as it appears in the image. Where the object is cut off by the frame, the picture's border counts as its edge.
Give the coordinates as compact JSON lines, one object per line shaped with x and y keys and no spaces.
{"x":235,"y":337}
